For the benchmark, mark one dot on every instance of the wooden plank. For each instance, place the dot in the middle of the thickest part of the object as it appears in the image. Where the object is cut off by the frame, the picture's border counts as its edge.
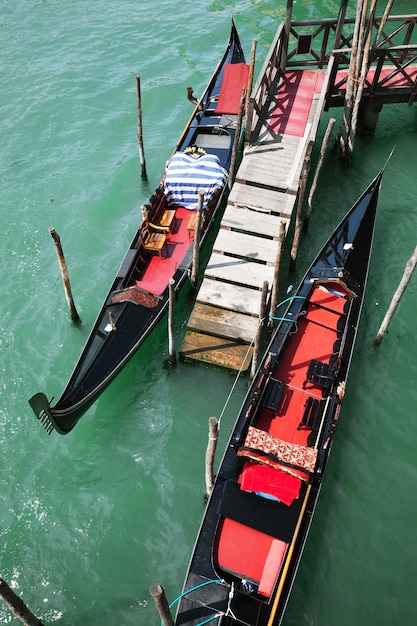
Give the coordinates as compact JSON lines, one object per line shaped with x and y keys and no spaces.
{"x":230,"y":297}
{"x":239,"y":271}
{"x":270,"y":164}
{"x":250,"y":221}
{"x":222,"y":323}
{"x":279,"y":203}
{"x":246,"y":246}
{"x":216,"y":351}
{"x":255,"y":198}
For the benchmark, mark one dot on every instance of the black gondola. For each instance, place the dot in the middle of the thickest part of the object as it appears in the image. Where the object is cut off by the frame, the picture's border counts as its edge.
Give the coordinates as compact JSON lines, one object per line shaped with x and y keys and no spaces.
{"x":162,"y":246}
{"x":258,"y":516}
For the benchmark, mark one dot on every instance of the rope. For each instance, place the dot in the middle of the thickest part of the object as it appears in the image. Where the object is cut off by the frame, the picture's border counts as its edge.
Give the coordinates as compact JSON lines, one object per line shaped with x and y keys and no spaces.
{"x":184,"y":593}
{"x":234,"y":383}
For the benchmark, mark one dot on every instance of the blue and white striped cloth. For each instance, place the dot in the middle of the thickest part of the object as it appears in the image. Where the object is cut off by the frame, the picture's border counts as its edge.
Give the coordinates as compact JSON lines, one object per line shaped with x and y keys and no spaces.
{"x":185,"y":175}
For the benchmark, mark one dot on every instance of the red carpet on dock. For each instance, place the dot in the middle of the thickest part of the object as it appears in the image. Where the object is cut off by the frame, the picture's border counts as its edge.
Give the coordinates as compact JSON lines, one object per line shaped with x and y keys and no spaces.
{"x":293,"y":103}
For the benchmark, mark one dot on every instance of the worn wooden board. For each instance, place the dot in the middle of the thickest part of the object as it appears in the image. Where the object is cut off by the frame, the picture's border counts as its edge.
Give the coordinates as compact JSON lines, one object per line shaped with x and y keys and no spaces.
{"x":253,"y":221}
{"x":239,"y":271}
{"x":246,"y":246}
{"x":270,"y":164}
{"x":230,"y":297}
{"x":216,"y":351}
{"x":277,"y":202}
{"x":222,"y":323}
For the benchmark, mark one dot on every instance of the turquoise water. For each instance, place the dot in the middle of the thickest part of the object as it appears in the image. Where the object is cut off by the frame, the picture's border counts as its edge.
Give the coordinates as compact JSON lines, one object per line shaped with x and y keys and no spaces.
{"x":89,"y":521}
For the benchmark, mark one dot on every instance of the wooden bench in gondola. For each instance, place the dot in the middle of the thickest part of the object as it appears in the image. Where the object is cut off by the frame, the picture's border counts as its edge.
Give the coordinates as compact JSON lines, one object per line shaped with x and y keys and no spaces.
{"x":273,"y":394}
{"x":320,"y":374}
{"x":312,"y":414}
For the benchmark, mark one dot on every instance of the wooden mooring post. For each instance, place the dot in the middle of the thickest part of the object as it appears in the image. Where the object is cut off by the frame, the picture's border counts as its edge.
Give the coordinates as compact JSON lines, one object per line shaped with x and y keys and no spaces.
{"x":64,"y":273}
{"x":197,"y":236}
{"x":210,"y":454}
{"x":409,"y":269}
{"x":140,"y":131}
{"x":158,"y":594}
{"x":317,"y":172}
{"x":258,"y":337}
{"x":17,"y":606}
{"x":235,"y":148}
{"x":298,"y":219}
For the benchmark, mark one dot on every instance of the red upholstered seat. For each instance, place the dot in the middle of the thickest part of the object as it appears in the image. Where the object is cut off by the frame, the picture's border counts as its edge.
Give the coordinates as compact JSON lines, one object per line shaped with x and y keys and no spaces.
{"x":234,"y":79}
{"x":250,"y":554}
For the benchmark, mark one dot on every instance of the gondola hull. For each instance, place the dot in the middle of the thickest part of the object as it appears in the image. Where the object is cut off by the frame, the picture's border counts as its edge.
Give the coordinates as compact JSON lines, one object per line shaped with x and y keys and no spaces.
{"x":162,"y":248}
{"x":258,"y":516}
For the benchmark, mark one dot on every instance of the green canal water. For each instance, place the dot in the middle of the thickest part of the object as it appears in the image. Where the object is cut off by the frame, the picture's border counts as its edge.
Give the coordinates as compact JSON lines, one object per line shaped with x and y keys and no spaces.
{"x":90,"y":520}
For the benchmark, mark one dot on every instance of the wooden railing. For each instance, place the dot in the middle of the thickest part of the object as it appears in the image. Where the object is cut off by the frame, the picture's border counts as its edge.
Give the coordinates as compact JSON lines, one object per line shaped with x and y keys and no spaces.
{"x":313,"y":43}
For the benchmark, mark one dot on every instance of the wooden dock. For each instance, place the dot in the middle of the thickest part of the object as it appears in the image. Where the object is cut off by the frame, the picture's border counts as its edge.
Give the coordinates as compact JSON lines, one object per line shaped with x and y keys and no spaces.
{"x":225,"y":318}
{"x":282,"y":121}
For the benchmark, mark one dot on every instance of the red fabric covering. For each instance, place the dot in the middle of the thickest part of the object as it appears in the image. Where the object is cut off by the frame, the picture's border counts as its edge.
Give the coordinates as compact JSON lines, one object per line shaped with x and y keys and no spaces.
{"x":293,"y":103}
{"x":274,"y":482}
{"x":234,"y":79}
{"x":250,"y":554}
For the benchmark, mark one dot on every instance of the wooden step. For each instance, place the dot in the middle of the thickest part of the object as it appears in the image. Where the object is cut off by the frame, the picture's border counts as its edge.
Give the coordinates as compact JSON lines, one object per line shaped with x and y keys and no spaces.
{"x":222,"y":323}
{"x":239,"y":271}
{"x":230,"y":297}
{"x":253,"y":221}
{"x":216,"y":351}
{"x":278,"y":202}
{"x":246,"y":246}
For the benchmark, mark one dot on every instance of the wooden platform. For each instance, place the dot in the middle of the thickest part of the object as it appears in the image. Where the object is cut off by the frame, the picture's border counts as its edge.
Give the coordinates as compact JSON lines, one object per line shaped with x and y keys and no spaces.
{"x":225,"y":319}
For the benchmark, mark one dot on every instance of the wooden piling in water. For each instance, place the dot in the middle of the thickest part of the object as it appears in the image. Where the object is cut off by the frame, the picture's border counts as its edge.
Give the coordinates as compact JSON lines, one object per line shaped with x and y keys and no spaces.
{"x":171,"y":306}
{"x":197,"y":235}
{"x":17,"y":606}
{"x":275,"y":286}
{"x":158,"y":594}
{"x":235,"y":148}
{"x":258,"y":337}
{"x":64,"y":273}
{"x":140,"y":132}
{"x":298,"y":219}
{"x":317,"y":172}
{"x":409,"y":269}
{"x":210,"y":454}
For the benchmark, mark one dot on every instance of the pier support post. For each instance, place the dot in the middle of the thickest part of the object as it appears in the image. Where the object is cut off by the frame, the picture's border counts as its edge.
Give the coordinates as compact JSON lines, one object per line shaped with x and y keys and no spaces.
{"x":409,"y":269}
{"x":235,"y":148}
{"x":17,"y":606}
{"x":261,"y":324}
{"x":210,"y":454}
{"x":317,"y":172}
{"x":369,"y":117}
{"x":298,"y":219}
{"x":158,"y":594}
{"x":197,"y":235}
{"x":275,"y":286}
{"x":64,"y":274}
{"x":140,"y":133}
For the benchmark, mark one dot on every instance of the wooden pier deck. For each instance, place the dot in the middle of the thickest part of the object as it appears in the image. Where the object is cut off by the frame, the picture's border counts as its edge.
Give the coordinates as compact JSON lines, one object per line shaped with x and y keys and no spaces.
{"x":225,"y":318}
